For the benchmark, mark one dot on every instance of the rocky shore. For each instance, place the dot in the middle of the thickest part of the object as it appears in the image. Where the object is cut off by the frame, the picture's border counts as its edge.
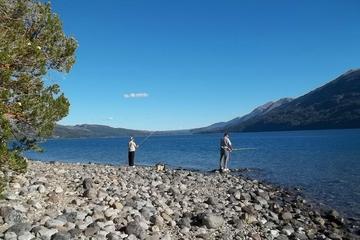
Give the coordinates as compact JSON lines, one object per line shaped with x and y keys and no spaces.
{"x":76,"y":201}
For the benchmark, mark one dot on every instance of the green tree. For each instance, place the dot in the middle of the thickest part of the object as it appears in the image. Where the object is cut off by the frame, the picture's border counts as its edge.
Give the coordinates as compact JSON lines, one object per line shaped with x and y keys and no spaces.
{"x":32,"y":42}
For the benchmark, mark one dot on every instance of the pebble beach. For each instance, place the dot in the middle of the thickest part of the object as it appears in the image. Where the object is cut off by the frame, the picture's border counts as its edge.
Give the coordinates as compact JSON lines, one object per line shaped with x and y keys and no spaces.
{"x":87,"y":201}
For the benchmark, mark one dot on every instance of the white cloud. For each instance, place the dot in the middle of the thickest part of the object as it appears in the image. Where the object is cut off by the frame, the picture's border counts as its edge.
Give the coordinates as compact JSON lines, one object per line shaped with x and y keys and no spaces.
{"x":136,"y":95}
{"x":110,"y":118}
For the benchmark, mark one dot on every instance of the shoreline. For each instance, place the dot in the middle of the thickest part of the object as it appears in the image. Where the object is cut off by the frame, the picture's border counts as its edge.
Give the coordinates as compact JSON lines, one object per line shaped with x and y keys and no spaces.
{"x":244,"y":173}
{"x":55,"y":200}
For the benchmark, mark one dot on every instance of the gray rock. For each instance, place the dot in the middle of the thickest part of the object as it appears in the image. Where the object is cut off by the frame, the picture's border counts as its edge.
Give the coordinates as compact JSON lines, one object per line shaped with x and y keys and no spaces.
{"x":102,"y":194}
{"x":134,"y":228}
{"x":75,"y":232}
{"x":47,"y":233}
{"x":249,"y":218}
{"x":273,"y":216}
{"x":262,"y":194}
{"x":92,"y":229}
{"x":154,"y":236}
{"x":61,"y":236}
{"x":109,"y":212}
{"x":335,"y":236}
{"x":41,"y":189}
{"x":37,"y":205}
{"x":90,"y":193}
{"x":11,"y":216}
{"x":147,"y":212}
{"x":258,"y":207}
{"x":274,"y":233}
{"x":212,"y":221}
{"x":185,"y":230}
{"x":255,"y":236}
{"x":37,"y":229}
{"x":81,"y":215}
{"x":26,"y":236}
{"x":157,"y":220}
{"x":55,"y":223}
{"x":68,"y":217}
{"x":245,"y":196}
{"x":10,"y":196}
{"x":112,"y":236}
{"x":20,"y":208}
{"x":10,"y":236}
{"x":237,"y":195}
{"x":87,"y":183}
{"x":211,"y":201}
{"x":334,"y":216}
{"x":53,"y":197}
{"x":166,"y":217}
{"x":166,"y":237}
{"x":58,"y":190}
{"x":117,"y":205}
{"x":319,"y":220}
{"x":202,"y":233}
{"x":286,"y":216}
{"x":132,"y":237}
{"x":184,"y":222}
{"x":261,"y":201}
{"x":20,"y":228}
{"x":287,"y":230}
{"x":249,"y":209}
{"x":300,"y":236}
{"x":282,"y":237}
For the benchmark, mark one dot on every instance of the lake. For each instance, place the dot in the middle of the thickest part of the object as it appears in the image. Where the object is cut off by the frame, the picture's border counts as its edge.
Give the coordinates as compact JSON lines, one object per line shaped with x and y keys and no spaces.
{"x":324,"y":164}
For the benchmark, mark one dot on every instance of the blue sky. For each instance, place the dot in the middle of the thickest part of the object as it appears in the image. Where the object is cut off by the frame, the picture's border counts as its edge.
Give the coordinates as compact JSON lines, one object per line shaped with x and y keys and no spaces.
{"x":193,"y":63}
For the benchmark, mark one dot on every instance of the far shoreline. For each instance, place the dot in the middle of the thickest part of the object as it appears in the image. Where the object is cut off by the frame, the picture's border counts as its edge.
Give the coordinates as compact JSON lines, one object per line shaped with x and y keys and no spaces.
{"x":202,"y":133}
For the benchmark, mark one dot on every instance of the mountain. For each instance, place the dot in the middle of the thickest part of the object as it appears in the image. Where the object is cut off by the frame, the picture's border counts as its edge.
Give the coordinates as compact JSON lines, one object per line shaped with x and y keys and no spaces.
{"x":94,"y":131}
{"x":102,"y":131}
{"x":334,"y":105}
{"x":259,"y":111}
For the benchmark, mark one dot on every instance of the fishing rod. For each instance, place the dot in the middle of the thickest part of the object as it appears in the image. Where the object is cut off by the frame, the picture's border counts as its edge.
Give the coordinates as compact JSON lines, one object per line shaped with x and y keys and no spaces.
{"x":242,"y":149}
{"x":145,"y":139}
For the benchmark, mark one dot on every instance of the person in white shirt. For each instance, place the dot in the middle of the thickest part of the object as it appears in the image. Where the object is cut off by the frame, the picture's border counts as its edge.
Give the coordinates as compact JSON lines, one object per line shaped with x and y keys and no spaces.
{"x":132,"y":149}
{"x":225,"y":149}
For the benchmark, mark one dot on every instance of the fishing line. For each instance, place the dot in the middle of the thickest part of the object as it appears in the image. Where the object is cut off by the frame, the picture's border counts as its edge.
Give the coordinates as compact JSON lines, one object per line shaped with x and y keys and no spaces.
{"x":242,"y":149}
{"x":145,"y":139}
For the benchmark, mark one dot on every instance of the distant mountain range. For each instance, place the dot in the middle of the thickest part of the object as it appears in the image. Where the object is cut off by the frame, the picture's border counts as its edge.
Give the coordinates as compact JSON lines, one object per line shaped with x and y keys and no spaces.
{"x":259,"y":111}
{"x":93,"y":130}
{"x":102,"y":131}
{"x":334,"y":105}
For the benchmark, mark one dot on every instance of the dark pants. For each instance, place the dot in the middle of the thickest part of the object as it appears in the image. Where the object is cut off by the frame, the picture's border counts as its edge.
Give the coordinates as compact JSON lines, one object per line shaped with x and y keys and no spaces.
{"x":131,"y":158}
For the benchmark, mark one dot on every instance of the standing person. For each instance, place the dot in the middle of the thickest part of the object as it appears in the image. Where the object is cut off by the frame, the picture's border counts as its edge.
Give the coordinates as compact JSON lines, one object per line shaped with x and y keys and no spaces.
{"x":225,"y":149}
{"x":132,"y":149}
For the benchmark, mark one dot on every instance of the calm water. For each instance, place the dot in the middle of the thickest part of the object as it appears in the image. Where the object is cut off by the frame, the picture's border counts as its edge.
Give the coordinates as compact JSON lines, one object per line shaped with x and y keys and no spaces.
{"x":325,"y":164}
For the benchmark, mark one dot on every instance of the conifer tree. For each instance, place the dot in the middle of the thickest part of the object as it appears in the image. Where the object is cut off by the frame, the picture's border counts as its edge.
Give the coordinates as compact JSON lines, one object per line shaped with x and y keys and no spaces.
{"x":32,"y":43}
